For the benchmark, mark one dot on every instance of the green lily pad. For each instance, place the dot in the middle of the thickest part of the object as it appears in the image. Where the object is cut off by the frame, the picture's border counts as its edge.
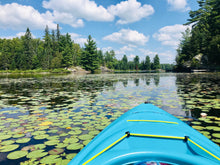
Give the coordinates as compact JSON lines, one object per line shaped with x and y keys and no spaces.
{"x":56,"y":151}
{"x":17,"y":154}
{"x":23,"y":140}
{"x":86,"y":142}
{"x":63,"y":162}
{"x":40,"y":137}
{"x":3,"y":137}
{"x":85,"y":137}
{"x":9,"y":148}
{"x":40,"y":146}
{"x":217,"y":135}
{"x":198,"y":127}
{"x":51,"y":159}
{"x":51,"y":142}
{"x":7,"y":142}
{"x":61,"y":145}
{"x":36,"y":154}
{"x":74,"y":146}
{"x":71,"y":156}
{"x":18,"y":135}
{"x":38,"y":132}
{"x":70,"y":140}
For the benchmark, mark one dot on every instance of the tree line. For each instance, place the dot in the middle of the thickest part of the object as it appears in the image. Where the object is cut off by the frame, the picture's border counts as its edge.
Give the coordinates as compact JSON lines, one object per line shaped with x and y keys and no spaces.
{"x":200,"y":45}
{"x":55,"y":50}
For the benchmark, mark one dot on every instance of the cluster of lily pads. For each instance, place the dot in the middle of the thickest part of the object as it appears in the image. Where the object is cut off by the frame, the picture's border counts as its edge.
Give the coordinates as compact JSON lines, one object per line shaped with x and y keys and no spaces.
{"x":201,"y":96}
{"x":48,"y":120}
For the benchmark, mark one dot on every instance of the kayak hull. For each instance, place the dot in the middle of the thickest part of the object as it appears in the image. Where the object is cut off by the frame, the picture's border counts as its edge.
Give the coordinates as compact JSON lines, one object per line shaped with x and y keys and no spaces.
{"x":147,"y":133}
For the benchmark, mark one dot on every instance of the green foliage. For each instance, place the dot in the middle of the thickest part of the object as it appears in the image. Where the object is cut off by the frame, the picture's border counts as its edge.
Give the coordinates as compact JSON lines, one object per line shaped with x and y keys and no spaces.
{"x":204,"y":37}
{"x":56,"y":51}
{"x":156,"y":62}
{"x":136,"y":62}
{"x":147,"y":63}
{"x":89,"y":58}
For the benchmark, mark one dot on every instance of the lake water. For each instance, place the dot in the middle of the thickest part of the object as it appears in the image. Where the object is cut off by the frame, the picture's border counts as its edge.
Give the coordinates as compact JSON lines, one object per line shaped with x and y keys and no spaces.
{"x":49,"y":118}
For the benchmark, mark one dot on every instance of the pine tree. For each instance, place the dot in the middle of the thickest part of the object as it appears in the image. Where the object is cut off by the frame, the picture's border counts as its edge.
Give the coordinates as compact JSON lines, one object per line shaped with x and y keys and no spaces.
{"x":89,"y":59}
{"x":156,"y":62}
{"x":147,"y":63}
{"x":136,"y":62}
{"x":27,"y":57}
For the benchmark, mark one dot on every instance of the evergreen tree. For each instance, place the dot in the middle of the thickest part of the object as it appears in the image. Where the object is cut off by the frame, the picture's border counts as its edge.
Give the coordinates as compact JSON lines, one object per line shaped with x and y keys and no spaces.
{"x":68,"y":52}
{"x":89,"y":59}
{"x":124,"y":63}
{"x":156,"y":62}
{"x":47,"y":49}
{"x":136,"y":62}
{"x":147,"y":63}
{"x":27,"y":56}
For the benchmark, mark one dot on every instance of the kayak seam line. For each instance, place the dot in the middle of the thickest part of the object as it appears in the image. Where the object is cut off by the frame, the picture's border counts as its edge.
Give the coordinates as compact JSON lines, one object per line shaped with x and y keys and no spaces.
{"x":156,"y":121}
{"x":149,"y":135}
{"x":117,"y":141}
{"x":204,"y":149}
{"x":158,"y":136}
{"x":176,"y":137}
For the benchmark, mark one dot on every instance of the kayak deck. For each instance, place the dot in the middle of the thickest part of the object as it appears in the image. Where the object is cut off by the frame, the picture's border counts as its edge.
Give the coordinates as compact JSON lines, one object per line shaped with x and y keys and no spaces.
{"x":147,"y":133}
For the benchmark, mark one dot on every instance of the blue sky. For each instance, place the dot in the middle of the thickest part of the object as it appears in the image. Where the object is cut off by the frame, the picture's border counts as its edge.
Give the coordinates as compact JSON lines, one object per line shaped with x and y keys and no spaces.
{"x":131,"y":27}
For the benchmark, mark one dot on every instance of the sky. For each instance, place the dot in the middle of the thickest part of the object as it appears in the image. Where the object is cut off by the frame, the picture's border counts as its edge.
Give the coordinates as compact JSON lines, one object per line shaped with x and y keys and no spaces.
{"x":129,"y":27}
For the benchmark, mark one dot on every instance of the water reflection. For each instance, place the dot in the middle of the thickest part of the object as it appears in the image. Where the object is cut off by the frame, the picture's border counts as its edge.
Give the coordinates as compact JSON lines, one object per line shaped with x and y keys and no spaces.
{"x":79,"y":104}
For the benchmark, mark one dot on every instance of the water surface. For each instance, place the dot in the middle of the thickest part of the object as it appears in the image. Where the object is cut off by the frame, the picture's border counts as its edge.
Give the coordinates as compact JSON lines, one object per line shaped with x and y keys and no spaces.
{"x":50,"y":118}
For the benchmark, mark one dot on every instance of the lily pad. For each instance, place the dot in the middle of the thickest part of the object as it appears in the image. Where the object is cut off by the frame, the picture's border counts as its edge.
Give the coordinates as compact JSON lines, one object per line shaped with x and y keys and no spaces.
{"x":7,"y":142}
{"x":71,"y":140}
{"x":217,"y":135}
{"x":23,"y":140}
{"x":18,"y":135}
{"x":40,"y":146}
{"x":40,"y":137}
{"x":36,"y":154}
{"x":17,"y":154}
{"x":61,"y":145}
{"x":56,"y":151}
{"x":51,"y":142}
{"x":3,"y":137}
{"x":74,"y":146}
{"x":9,"y":148}
{"x":51,"y":159}
{"x":71,"y":156}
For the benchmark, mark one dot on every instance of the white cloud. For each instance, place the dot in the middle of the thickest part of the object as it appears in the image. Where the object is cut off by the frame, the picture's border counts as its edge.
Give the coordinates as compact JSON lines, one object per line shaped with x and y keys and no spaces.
{"x":127,"y":37}
{"x":17,"y":35}
{"x":147,"y":52}
{"x":179,"y":5}
{"x":74,"y":11}
{"x":78,"y":39}
{"x":127,"y":48}
{"x":16,"y":16}
{"x":167,"y":57}
{"x":107,"y":49}
{"x":130,"y":11}
{"x":170,"y":35}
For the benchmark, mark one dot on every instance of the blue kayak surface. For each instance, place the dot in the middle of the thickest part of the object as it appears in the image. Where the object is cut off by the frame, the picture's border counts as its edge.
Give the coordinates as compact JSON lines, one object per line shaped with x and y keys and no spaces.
{"x":147,"y":133}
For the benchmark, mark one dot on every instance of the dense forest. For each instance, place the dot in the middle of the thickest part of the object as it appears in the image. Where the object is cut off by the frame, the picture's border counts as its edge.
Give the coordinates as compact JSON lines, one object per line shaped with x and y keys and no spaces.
{"x":55,"y":50}
{"x":200,"y":45}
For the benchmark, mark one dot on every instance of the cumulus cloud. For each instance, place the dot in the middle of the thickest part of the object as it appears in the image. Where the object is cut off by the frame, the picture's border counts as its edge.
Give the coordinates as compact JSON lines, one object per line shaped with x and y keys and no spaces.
{"x":179,"y":5}
{"x":127,"y":37}
{"x":130,"y":11}
{"x":78,"y":39}
{"x":170,"y":35}
{"x":147,"y":52}
{"x":17,"y":35}
{"x":74,"y":11}
{"x":167,"y":56}
{"x":16,"y":16}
